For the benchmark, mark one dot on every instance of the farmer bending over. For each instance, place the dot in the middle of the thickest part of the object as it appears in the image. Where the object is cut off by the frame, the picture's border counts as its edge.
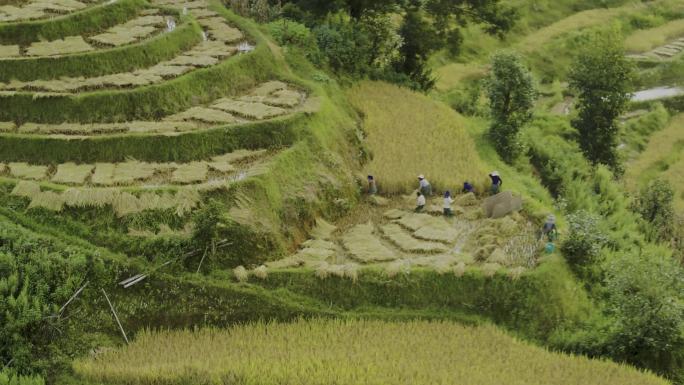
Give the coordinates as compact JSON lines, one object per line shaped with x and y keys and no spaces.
{"x":424,"y":186}
{"x":420,"y":202}
{"x":468,"y":187}
{"x":496,"y":182}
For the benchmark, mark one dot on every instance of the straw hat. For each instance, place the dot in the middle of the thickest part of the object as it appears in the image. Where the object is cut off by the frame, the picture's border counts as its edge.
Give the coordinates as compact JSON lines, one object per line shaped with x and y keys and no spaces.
{"x":421,"y":176}
{"x":551,"y":218}
{"x":494,"y":173}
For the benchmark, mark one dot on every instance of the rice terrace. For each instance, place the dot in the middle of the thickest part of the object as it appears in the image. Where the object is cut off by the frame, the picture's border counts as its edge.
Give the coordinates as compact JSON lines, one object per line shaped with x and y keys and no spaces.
{"x":344,"y":192}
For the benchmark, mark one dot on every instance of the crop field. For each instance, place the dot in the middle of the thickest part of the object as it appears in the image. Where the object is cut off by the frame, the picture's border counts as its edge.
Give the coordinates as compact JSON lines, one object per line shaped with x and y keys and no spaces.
{"x":649,"y":39}
{"x":395,"y":240}
{"x":38,"y":9}
{"x":347,"y":352}
{"x":416,"y":136}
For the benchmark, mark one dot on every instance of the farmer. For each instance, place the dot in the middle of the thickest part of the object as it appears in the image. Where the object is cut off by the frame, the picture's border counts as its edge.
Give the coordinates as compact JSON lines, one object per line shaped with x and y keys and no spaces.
{"x":424,"y":186}
{"x":420,"y":202}
{"x":372,"y":187}
{"x":496,"y":182}
{"x":447,"y":204}
{"x":468,"y":187}
{"x":549,"y":228}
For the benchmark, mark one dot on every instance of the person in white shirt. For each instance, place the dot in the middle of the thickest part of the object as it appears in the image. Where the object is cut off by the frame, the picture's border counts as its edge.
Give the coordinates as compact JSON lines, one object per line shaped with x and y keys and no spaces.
{"x":420,"y":202}
{"x":447,"y":204}
{"x":424,"y":186}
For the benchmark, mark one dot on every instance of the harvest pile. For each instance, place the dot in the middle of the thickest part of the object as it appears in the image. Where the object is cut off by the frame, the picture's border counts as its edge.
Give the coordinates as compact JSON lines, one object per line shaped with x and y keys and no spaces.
{"x":398,"y":239}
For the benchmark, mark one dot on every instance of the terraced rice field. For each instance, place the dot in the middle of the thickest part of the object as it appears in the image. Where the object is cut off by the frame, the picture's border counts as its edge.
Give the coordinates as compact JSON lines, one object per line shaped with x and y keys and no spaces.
{"x":39,"y":9}
{"x":397,"y":239}
{"x":190,"y":36}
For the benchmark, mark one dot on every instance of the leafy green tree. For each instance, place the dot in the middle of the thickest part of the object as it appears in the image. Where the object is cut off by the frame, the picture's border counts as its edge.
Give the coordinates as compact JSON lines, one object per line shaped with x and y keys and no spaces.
{"x":384,"y":41}
{"x":346,"y":47}
{"x":420,"y":40}
{"x":655,"y":204}
{"x":602,"y":79}
{"x":583,"y":243}
{"x":644,"y":296}
{"x":511,"y":94}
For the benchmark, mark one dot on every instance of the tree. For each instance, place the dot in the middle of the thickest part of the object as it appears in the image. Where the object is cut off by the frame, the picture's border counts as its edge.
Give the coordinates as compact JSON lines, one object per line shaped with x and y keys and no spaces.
{"x":644,"y":296}
{"x":584,"y":241}
{"x":420,"y":40}
{"x":655,"y":204}
{"x":601,"y":77}
{"x":511,"y":94}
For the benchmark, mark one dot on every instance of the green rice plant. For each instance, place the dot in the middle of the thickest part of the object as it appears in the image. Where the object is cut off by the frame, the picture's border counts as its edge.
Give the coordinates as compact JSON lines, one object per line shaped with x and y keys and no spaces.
{"x":434,"y":134}
{"x":26,"y":189}
{"x":72,"y":173}
{"x":364,"y":246}
{"x":249,"y":110}
{"x":190,"y":173}
{"x":68,"y":45}
{"x":48,"y":200}
{"x":26,"y":171}
{"x":398,"y":236}
{"x":348,"y":352}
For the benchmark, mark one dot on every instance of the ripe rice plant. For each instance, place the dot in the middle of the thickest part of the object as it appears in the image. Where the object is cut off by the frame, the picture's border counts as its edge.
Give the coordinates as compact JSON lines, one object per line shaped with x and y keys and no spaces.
{"x":364,"y":246}
{"x":417,"y":135}
{"x":348,"y":352}
{"x":9,"y":50}
{"x":397,"y":235}
{"x":70,"y":44}
{"x":72,"y":173}
{"x":26,"y":171}
{"x":249,"y":110}
{"x":190,"y":173}
{"x":202,"y":114}
{"x":648,"y":39}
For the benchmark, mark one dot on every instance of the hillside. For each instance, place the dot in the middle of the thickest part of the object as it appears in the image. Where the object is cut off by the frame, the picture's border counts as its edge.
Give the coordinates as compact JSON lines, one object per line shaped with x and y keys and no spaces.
{"x":181,"y":178}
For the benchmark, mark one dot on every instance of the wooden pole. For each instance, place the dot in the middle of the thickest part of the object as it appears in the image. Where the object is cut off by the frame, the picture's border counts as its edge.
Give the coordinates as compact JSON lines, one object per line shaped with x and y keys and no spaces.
{"x":115,"y":316}
{"x":73,"y":297}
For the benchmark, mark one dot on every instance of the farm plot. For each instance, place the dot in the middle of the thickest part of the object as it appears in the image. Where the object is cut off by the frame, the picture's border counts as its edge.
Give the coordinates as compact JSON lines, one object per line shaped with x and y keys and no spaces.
{"x":663,"y":42}
{"x":131,"y":187}
{"x":38,"y":9}
{"x":348,"y":352}
{"x":135,"y":173}
{"x":397,"y":240}
{"x":207,"y":53}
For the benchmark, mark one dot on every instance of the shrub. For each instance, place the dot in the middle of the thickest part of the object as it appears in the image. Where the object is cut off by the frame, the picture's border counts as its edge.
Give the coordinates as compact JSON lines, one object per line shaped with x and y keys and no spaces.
{"x":584,"y":240}
{"x":655,"y":205}
{"x":644,"y":296}
{"x":293,"y":34}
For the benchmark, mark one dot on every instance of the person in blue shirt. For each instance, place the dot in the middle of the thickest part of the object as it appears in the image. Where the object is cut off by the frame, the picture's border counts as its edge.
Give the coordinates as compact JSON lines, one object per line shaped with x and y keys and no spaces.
{"x":468,"y":187}
{"x":496,"y":182}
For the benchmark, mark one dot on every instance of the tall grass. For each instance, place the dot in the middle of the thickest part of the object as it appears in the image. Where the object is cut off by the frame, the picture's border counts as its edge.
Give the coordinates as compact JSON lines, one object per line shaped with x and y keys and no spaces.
{"x":409,"y":134}
{"x":648,"y":39}
{"x":348,"y":352}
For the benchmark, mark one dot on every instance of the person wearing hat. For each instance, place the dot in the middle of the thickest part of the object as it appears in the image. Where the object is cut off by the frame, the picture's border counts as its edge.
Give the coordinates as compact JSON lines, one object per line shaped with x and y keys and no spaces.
{"x":372,"y":187}
{"x":496,"y":182}
{"x":549,"y":228}
{"x":420,"y":202}
{"x":424,"y":186}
